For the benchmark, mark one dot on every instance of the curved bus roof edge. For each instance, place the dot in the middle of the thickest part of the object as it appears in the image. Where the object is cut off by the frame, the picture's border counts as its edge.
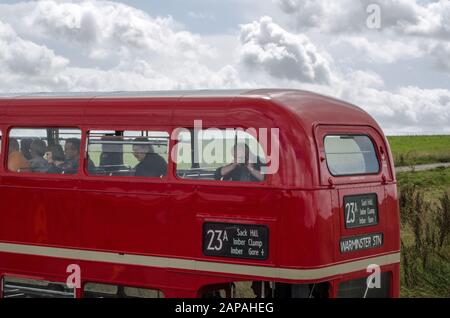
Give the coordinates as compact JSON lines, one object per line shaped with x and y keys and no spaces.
{"x":275,"y":94}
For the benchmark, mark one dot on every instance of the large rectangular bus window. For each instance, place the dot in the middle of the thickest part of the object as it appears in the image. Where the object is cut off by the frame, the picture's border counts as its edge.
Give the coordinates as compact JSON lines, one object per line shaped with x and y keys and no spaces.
{"x":97,"y":290}
{"x":128,"y":153}
{"x":44,"y":150}
{"x":350,"y":155}
{"x":219,"y":154}
{"x":15,"y":287}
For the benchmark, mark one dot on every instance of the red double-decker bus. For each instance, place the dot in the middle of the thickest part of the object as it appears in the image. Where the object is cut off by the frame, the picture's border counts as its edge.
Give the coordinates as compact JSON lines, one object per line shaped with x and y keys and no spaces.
{"x":125,"y":195}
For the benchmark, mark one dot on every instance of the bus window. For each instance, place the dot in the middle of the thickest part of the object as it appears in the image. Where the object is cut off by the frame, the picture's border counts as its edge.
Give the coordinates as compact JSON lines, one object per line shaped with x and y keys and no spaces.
{"x":350,"y":155}
{"x":15,"y":287}
{"x":128,"y":153}
{"x":44,"y":150}
{"x":214,"y":154}
{"x":96,"y":290}
{"x":264,"y":289}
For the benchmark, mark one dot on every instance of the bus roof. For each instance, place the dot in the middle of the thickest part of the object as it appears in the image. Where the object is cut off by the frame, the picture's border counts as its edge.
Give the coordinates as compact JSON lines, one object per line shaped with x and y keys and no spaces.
{"x":308,"y":108}
{"x":128,"y":94}
{"x":266,"y":93}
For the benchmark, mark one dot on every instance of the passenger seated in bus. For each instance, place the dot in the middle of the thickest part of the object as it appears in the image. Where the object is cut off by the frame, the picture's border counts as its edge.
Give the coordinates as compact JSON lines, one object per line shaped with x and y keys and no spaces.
{"x":150,"y":163}
{"x":55,"y":159}
{"x":241,"y":169}
{"x":72,"y":157}
{"x":16,"y":160}
{"x":37,"y":161}
{"x":25,"y":147}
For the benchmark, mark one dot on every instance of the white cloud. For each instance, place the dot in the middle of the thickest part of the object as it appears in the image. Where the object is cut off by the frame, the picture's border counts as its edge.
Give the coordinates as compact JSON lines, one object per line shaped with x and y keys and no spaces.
{"x":409,"y":108}
{"x":407,"y":17}
{"x":328,"y":15}
{"x":409,"y":29}
{"x":133,"y":50}
{"x":441,"y":55}
{"x":24,"y":57}
{"x":412,"y":31}
{"x":102,"y":46}
{"x":383,"y":51}
{"x":432,"y":20}
{"x":268,"y":47}
{"x":104,"y":29}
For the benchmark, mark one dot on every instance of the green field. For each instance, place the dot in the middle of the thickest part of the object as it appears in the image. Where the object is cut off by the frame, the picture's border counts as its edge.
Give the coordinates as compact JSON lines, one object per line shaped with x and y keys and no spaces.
{"x":425,"y":266}
{"x":413,"y":150}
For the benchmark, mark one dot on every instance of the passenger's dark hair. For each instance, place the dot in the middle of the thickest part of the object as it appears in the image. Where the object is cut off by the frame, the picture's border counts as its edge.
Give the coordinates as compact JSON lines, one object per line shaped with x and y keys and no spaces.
{"x":75,"y":143}
{"x":144,"y":139}
{"x":57,"y":152}
{"x":38,"y":146}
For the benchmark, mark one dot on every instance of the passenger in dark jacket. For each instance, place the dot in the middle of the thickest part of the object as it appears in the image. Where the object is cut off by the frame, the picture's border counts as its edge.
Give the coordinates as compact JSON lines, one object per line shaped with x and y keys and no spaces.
{"x":242,"y":169}
{"x":150,"y":163}
{"x":55,"y":159}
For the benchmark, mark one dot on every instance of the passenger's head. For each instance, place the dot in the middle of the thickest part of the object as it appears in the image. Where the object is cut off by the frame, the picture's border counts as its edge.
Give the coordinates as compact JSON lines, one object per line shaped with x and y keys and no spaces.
{"x":241,"y":153}
{"x":37,"y":148}
{"x":141,"y":148}
{"x":57,"y":152}
{"x":257,"y":287}
{"x":72,"y":148}
{"x":25,"y":145}
{"x":13,"y":145}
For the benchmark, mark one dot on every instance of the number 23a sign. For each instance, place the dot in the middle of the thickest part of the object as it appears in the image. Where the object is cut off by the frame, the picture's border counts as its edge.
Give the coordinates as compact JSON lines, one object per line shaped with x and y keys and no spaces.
{"x":236,"y":240}
{"x":360,"y":210}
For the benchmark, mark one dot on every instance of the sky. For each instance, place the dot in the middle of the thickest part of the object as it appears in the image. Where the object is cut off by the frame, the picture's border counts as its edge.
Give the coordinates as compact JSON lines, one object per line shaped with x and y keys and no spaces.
{"x":390,"y":57}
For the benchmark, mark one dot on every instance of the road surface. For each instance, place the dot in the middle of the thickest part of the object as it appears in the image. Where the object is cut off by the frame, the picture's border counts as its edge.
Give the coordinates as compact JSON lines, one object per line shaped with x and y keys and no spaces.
{"x":422,"y":167}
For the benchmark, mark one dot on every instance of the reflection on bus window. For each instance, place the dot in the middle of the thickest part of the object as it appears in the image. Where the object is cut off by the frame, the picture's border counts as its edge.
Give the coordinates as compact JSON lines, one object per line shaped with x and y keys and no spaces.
{"x":96,"y":290}
{"x":213,"y":154}
{"x":350,"y":155}
{"x":44,"y":150}
{"x":128,"y":153}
